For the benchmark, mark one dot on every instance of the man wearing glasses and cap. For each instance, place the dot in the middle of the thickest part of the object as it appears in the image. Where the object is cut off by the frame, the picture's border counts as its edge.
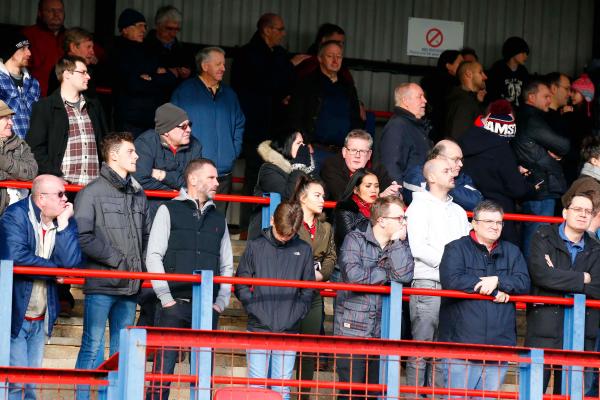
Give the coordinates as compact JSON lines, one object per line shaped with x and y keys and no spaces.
{"x":37,"y":231}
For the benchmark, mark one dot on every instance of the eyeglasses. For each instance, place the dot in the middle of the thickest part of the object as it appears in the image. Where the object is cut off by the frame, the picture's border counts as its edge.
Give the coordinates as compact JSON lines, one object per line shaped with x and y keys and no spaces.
{"x":403,"y":218}
{"x":584,"y":211}
{"x":83,"y":73}
{"x":490,"y":222}
{"x":59,"y":194}
{"x":453,"y":159}
{"x":184,"y":126}
{"x":360,"y":153}
{"x":278,"y":28}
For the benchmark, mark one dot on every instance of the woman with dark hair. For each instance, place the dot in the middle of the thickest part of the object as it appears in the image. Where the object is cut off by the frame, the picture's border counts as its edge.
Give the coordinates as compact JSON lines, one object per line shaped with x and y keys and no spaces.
{"x":437,"y":85}
{"x":285,"y":160}
{"x":317,"y":232}
{"x":277,"y":254}
{"x":354,"y":208}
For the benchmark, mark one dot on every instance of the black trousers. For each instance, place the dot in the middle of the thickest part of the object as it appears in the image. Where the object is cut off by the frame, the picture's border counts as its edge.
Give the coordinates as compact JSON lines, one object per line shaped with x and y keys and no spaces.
{"x":359,"y":369}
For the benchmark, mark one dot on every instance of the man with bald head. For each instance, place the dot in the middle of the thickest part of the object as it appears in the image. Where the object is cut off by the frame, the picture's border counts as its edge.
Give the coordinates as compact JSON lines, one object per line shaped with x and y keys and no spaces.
{"x":433,"y":221}
{"x":37,"y":231}
{"x":405,"y":138}
{"x":463,"y":103}
{"x":464,"y":192}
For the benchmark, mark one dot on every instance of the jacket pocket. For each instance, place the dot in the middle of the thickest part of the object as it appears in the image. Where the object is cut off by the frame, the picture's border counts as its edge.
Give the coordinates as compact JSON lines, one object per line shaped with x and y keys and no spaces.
{"x":114,"y":217}
{"x":355,"y":319}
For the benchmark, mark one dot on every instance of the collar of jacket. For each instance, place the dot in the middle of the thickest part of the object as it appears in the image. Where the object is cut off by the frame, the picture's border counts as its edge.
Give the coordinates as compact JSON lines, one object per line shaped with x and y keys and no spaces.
{"x":496,"y":249}
{"x":59,"y":103}
{"x":551,"y":233}
{"x":527,"y":109}
{"x":124,"y":185}
{"x":44,"y":28}
{"x":268,"y":234}
{"x":268,"y":154}
{"x":24,"y":70}
{"x":347,"y":205}
{"x":36,"y":210}
{"x":11,"y":142}
{"x":184,"y":196}
{"x":259,"y":43}
{"x":403,"y":113}
{"x":165,"y":145}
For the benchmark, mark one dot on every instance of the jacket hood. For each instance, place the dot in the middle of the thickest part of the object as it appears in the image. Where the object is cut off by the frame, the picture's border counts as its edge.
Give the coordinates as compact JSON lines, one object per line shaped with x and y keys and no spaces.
{"x":478,"y":140}
{"x":268,"y":154}
{"x":24,"y":70}
{"x":268,"y":234}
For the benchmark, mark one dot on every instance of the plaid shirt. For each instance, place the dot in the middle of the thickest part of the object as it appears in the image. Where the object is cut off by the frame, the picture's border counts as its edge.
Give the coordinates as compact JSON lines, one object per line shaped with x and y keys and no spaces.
{"x":20,"y":100}
{"x":80,"y":163}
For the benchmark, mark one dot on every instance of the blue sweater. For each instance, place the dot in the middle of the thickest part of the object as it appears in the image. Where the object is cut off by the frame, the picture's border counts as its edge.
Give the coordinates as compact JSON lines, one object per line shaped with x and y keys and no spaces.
{"x":18,"y":243}
{"x":218,"y":122}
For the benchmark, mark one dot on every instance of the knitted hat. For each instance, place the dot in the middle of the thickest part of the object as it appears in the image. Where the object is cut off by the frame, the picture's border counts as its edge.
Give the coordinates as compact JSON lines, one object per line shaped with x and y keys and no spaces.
{"x":11,"y":43}
{"x":512,"y":46}
{"x":167,"y":117}
{"x":585,"y":86}
{"x":500,"y":120}
{"x":5,"y":110}
{"x":129,"y":17}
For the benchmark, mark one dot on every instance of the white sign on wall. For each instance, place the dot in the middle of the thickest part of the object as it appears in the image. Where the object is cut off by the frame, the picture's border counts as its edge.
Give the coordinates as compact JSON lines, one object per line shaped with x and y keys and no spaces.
{"x":430,"y":37}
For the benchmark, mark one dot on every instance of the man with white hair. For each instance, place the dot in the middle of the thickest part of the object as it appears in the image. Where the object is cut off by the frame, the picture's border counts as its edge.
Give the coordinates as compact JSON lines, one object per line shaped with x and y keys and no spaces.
{"x":405,"y":138}
{"x":215,"y":112}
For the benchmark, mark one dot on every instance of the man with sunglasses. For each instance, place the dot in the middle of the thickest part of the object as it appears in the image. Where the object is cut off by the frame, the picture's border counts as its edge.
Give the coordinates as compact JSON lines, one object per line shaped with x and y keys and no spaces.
{"x":37,"y":231}
{"x":481,"y":263}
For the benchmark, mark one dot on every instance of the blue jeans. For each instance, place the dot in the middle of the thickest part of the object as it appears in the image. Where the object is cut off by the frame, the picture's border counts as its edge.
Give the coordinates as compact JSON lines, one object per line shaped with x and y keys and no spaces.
{"x":475,"y":375}
{"x":536,"y":207}
{"x":27,"y":350}
{"x":274,"y":364}
{"x":119,"y":311}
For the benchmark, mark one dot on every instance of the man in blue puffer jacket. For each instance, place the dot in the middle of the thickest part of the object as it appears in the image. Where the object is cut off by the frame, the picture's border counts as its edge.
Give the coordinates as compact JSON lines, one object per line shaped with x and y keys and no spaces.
{"x":37,"y":231}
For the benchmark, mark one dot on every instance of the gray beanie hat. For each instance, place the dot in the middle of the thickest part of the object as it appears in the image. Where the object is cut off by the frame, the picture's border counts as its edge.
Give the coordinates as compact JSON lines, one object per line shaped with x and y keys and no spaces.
{"x":167,"y":117}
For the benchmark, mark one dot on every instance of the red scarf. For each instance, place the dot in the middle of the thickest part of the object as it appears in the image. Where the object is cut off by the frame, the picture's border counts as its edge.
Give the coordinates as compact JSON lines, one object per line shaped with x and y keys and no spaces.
{"x":364,"y":208}
{"x":312,"y":230}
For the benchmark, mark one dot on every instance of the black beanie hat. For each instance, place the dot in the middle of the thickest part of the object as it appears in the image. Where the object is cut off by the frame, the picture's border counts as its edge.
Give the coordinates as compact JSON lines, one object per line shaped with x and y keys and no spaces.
{"x":512,"y":46}
{"x":167,"y":117}
{"x":11,"y":43}
{"x":129,"y":17}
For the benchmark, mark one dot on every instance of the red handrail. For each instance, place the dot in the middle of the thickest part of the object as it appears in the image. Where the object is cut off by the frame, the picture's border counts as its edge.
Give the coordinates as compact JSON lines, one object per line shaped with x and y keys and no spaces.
{"x":376,"y":289}
{"x":169,"y":194}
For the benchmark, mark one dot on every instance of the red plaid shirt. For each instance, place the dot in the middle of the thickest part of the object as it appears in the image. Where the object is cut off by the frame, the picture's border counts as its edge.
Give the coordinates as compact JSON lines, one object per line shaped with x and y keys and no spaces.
{"x":80,"y":164}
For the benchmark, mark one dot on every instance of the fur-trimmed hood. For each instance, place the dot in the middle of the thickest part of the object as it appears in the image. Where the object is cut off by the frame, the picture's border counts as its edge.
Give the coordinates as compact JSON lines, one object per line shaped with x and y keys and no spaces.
{"x":270,"y":155}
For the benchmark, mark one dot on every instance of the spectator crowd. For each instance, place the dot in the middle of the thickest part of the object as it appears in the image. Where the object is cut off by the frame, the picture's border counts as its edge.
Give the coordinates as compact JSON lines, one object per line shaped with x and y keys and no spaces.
{"x":492,"y":141}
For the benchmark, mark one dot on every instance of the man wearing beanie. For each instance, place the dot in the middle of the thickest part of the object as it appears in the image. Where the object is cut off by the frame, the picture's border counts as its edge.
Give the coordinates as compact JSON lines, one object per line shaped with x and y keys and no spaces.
{"x":508,"y":76}
{"x":486,"y":144}
{"x":46,"y":38}
{"x":166,"y":150}
{"x":140,"y":82}
{"x":18,"y":89}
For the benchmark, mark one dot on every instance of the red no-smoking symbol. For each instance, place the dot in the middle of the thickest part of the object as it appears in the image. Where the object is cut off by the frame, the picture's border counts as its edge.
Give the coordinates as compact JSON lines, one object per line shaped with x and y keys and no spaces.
{"x":434,"y":37}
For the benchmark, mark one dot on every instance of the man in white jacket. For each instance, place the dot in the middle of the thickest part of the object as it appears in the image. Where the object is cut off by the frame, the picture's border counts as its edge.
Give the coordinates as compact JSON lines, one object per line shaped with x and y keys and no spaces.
{"x":433,"y":221}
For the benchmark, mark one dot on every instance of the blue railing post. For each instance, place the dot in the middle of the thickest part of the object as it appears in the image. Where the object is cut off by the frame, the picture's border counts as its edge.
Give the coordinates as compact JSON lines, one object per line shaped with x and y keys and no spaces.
{"x":132,"y":364}
{"x":573,"y":339}
{"x":269,"y":210}
{"x":391,"y":328}
{"x":6,"y":287}
{"x":202,"y":314}
{"x":531,"y":376}
{"x":110,"y":391}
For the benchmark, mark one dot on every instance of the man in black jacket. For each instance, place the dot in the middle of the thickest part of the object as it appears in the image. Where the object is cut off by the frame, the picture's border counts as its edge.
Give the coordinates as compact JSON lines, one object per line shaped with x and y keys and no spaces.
{"x":325,"y":105}
{"x":188,"y":234}
{"x":539,"y":149}
{"x":356,"y":154}
{"x":405,"y":138}
{"x":66,"y":127}
{"x":463,"y":103}
{"x":277,"y":253}
{"x":114,"y":224}
{"x":564,"y":259}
